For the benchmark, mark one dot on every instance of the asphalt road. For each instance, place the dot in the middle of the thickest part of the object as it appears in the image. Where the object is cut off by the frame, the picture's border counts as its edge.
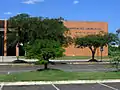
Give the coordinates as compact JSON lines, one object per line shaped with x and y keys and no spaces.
{"x":4,"y":69}
{"x":97,"y":86}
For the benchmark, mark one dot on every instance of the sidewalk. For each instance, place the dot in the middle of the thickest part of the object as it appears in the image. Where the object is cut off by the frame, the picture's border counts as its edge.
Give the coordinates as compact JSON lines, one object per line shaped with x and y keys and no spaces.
{"x":9,"y":59}
{"x":12,"y":58}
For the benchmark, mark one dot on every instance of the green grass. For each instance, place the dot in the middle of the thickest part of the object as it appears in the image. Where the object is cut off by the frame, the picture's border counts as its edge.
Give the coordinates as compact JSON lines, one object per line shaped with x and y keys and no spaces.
{"x":80,"y":57}
{"x":76,"y":57}
{"x":55,"y":75}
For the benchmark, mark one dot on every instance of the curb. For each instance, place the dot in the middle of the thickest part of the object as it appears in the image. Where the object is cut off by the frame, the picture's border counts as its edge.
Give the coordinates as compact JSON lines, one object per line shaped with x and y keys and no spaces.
{"x":58,"y":82}
{"x":21,"y":64}
{"x":79,"y":60}
{"x":16,"y":64}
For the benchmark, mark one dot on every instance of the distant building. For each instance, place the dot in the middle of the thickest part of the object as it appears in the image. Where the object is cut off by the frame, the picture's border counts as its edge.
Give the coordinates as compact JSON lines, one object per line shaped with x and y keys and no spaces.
{"x":76,"y":29}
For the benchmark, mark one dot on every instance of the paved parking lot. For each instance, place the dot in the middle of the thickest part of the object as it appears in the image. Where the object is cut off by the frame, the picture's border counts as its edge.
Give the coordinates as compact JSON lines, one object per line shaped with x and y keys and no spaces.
{"x":4,"y":69}
{"x":97,"y":86}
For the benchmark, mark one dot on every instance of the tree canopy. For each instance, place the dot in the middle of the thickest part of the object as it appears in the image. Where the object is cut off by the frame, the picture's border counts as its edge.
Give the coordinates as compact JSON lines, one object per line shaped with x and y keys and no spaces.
{"x":29,"y":28}
{"x":92,"y":42}
{"x":43,"y":38}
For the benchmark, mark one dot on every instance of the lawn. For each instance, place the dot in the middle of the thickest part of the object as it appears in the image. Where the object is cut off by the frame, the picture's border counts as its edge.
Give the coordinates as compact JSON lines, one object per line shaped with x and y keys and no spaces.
{"x":77,"y":57}
{"x":55,"y":75}
{"x":80,"y":57}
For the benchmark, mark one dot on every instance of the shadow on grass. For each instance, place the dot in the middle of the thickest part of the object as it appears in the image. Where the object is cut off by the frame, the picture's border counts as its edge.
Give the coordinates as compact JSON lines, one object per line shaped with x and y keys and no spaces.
{"x":49,"y":69}
{"x":93,"y":60}
{"x":50,"y":62}
{"x":19,"y":61}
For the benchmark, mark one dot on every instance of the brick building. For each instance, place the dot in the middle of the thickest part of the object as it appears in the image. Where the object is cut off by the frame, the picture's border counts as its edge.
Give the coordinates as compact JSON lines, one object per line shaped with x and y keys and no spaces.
{"x":76,"y":29}
{"x":81,"y":29}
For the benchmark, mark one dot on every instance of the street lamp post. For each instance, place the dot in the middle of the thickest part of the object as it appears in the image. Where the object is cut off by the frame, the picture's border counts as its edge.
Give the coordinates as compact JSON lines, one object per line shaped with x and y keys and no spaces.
{"x":18,"y":47}
{"x":101,"y":50}
{"x":2,"y":47}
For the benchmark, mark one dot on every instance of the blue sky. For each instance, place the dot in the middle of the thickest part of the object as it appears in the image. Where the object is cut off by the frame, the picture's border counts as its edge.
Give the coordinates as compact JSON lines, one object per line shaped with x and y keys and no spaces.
{"x":80,"y":10}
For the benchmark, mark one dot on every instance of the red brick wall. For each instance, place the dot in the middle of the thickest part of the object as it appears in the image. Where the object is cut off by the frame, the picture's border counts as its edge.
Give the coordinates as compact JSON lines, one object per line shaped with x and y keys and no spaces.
{"x":71,"y":50}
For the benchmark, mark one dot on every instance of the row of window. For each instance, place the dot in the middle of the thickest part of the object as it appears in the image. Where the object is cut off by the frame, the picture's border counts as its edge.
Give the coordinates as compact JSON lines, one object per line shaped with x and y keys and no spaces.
{"x":86,"y":32}
{"x":86,"y":28}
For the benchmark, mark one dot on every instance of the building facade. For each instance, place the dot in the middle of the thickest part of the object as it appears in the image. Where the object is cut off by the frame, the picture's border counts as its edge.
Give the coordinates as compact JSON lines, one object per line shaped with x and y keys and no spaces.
{"x":81,"y":29}
{"x":76,"y":29}
{"x":3,"y":38}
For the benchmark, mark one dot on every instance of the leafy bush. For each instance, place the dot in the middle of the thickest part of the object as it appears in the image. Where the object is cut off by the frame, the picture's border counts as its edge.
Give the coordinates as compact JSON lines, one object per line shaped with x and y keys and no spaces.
{"x":115,"y":62}
{"x":43,"y":62}
{"x":43,"y":50}
{"x":113,"y":50}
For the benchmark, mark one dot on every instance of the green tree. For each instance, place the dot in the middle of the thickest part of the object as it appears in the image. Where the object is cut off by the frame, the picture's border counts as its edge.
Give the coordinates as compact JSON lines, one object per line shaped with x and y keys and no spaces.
{"x":92,"y":42}
{"x":115,"y":61}
{"x":17,"y":30}
{"x":114,"y":52}
{"x":19,"y":25}
{"x":37,"y":33}
{"x":113,"y":38}
{"x":43,"y":50}
{"x":29,"y":28}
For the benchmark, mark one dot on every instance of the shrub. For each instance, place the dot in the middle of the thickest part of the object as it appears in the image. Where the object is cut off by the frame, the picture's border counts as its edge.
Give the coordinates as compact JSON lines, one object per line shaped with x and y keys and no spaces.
{"x":115,"y":62}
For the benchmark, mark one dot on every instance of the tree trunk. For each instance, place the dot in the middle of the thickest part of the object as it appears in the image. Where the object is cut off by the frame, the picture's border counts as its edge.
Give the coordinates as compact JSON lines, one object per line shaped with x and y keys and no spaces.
{"x":93,"y":55}
{"x":45,"y":66}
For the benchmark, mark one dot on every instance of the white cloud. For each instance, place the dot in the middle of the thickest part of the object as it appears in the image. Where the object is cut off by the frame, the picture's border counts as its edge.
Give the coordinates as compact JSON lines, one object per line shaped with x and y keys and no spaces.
{"x":18,"y":13}
{"x":8,"y":13}
{"x":75,"y":2}
{"x":23,"y":13}
{"x":32,"y":1}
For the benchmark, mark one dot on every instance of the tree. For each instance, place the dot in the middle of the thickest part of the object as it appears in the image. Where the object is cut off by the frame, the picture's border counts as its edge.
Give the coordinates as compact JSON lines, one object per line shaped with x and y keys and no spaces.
{"x":29,"y":28}
{"x":118,"y":35}
{"x":113,"y":38}
{"x":49,"y":35}
{"x":17,"y":30}
{"x":40,"y":36}
{"x":43,"y":50}
{"x":92,"y":42}
{"x":114,"y":52}
{"x":115,"y":61}
{"x":19,"y":25}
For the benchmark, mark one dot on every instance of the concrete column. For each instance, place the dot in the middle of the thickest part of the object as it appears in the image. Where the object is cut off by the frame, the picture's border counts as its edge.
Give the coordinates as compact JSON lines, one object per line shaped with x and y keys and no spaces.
{"x":5,"y":38}
{"x":17,"y":50}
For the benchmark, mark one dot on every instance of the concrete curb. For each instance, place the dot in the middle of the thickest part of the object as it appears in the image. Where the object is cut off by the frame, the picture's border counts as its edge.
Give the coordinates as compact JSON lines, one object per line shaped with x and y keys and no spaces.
{"x":58,"y":82}
{"x":80,"y":60}
{"x":10,"y":59}
{"x":13,"y":64}
{"x":16,"y":64}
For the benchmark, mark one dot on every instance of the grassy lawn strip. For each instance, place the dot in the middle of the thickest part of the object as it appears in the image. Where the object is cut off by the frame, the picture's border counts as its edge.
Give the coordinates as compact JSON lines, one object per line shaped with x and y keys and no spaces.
{"x":76,"y":57}
{"x":54,"y":75}
{"x":80,"y":57}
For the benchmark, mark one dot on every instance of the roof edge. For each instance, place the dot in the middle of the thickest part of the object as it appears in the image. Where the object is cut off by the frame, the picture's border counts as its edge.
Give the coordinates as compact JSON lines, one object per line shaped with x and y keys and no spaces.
{"x":85,"y":21}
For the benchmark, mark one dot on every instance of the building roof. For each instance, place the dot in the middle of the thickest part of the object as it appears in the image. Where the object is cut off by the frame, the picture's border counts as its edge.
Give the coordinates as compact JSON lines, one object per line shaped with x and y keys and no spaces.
{"x":73,"y":21}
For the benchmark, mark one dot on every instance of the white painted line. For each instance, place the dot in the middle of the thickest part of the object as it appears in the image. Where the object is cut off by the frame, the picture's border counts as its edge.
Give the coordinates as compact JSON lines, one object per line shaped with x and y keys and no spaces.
{"x":1,"y":86}
{"x":55,"y":87}
{"x":60,"y":82}
{"x":108,"y":86}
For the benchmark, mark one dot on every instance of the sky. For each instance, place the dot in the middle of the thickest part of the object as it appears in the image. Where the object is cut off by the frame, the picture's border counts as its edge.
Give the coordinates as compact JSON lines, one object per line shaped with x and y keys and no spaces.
{"x":73,"y":10}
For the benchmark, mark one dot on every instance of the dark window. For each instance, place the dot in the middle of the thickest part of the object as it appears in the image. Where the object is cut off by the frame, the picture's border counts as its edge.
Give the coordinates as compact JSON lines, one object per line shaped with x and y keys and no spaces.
{"x":1,"y":24}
